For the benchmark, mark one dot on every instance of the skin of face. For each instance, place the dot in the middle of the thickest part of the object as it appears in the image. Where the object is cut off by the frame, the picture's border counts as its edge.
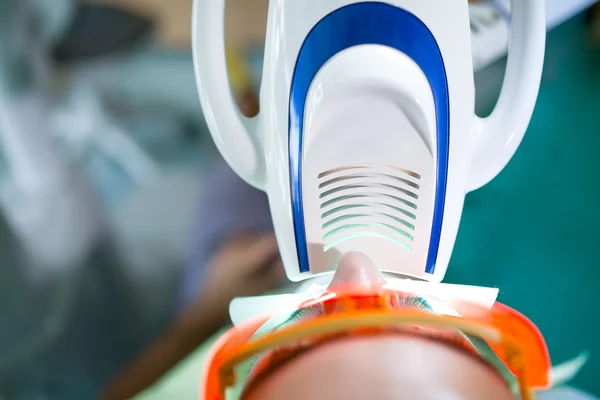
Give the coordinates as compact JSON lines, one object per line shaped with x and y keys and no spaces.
{"x":383,"y":367}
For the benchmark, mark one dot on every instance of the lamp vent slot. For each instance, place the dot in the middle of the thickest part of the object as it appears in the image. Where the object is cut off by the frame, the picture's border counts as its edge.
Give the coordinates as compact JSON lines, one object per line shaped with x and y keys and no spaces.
{"x":368,"y":200}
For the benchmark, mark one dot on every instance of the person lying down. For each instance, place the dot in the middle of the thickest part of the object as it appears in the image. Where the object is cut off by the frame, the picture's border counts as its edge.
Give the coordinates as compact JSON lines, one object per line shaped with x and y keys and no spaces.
{"x":236,"y":255}
{"x":359,"y":339}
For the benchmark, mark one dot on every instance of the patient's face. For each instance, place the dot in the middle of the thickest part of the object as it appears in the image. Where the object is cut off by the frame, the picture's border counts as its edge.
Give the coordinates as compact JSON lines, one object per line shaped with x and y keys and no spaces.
{"x":394,"y":366}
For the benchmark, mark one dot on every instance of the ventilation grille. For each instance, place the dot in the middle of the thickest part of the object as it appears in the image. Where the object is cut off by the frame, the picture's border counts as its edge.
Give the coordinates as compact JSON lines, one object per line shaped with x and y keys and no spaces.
{"x":368,"y":200}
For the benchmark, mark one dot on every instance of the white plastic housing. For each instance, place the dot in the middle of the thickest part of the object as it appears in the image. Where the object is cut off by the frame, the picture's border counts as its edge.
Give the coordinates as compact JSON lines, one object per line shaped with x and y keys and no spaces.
{"x":369,"y":160}
{"x":356,"y":98}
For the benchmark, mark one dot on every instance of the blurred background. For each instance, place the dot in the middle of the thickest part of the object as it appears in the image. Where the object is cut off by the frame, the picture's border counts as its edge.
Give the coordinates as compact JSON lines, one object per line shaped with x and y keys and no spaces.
{"x":103,"y":147}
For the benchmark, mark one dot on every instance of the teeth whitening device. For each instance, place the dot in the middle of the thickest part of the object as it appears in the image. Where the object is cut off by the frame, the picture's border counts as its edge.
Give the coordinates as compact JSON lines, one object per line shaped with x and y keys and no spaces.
{"x":367,"y":138}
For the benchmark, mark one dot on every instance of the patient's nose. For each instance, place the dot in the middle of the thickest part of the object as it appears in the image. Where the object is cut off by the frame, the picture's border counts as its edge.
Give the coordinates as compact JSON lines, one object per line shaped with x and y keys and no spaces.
{"x":356,"y":269}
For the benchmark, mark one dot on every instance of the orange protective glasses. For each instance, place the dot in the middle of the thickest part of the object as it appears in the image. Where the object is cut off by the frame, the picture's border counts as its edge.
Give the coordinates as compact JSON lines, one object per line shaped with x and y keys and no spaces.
{"x":514,"y":339}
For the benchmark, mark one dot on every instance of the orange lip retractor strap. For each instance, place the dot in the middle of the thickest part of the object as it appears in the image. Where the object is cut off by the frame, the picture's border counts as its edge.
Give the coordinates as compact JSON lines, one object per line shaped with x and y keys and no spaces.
{"x":213,"y":382}
{"x":518,"y":342}
{"x":534,"y":368}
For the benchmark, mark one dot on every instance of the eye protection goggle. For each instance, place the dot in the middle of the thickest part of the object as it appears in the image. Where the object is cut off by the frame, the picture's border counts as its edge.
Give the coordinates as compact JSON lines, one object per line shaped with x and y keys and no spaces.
{"x":514,"y":339}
